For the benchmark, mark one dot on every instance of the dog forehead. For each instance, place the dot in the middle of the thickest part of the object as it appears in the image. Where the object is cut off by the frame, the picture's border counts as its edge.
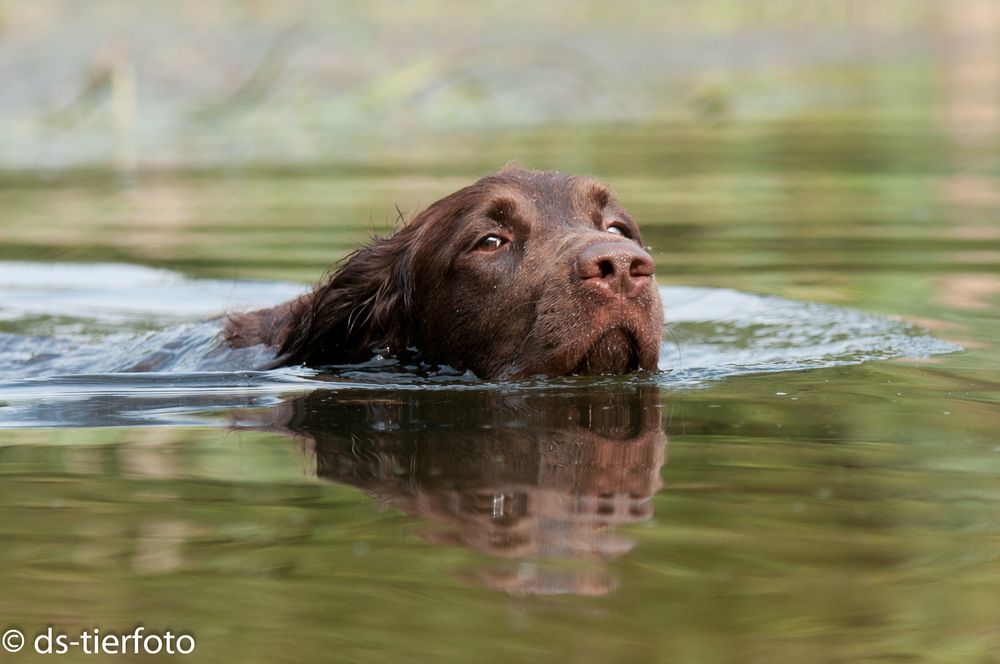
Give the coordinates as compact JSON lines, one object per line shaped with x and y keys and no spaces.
{"x":548,"y":196}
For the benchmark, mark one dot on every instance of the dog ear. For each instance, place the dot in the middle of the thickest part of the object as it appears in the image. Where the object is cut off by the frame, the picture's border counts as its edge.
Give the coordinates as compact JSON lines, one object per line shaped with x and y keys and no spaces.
{"x":366,"y":304}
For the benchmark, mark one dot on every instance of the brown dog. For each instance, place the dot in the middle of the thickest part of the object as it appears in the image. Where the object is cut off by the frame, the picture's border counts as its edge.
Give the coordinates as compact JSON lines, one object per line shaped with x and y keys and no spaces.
{"x":522,"y":273}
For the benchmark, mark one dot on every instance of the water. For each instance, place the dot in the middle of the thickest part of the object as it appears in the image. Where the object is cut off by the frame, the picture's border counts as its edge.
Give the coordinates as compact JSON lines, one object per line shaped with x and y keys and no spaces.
{"x":812,"y":474}
{"x":80,"y":375}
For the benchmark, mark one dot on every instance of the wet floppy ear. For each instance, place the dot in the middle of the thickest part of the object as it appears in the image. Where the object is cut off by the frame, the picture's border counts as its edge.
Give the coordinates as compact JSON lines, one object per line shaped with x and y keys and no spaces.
{"x":391,"y":307}
{"x":365,"y":304}
{"x":368,"y":302}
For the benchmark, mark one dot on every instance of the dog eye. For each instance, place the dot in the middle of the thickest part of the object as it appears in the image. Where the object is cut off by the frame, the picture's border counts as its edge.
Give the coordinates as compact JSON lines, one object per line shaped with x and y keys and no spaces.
{"x":491,"y":243}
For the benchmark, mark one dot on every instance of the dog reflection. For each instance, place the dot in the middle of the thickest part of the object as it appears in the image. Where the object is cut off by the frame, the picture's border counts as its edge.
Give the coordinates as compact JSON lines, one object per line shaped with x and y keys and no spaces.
{"x":534,"y":478}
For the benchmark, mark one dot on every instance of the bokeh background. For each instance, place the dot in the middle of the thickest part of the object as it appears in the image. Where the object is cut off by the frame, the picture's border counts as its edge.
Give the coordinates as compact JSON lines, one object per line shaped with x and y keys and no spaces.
{"x":222,"y":83}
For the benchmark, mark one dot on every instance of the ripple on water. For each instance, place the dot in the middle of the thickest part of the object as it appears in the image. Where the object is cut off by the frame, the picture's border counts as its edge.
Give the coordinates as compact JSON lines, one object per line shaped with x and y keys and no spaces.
{"x":105,"y":345}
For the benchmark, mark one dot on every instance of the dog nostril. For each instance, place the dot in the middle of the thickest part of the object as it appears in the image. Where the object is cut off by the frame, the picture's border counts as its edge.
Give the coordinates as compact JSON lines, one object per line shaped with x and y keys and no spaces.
{"x":617,"y":268}
{"x":642,"y":267}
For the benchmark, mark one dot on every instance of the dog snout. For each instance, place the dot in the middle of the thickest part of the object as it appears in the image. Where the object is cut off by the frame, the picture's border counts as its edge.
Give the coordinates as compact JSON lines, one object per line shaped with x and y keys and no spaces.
{"x":615,"y":268}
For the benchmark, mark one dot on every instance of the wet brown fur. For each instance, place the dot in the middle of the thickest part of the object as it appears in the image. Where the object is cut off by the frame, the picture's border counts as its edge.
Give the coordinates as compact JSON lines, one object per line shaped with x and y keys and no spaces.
{"x":517,"y":312}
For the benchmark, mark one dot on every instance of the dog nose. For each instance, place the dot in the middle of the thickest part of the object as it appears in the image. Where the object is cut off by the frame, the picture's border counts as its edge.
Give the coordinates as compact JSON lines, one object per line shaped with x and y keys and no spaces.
{"x":617,"y":268}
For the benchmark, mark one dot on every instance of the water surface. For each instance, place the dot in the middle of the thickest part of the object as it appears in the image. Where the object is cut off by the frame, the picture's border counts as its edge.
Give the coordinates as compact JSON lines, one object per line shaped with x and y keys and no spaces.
{"x":812,"y":474}
{"x":127,"y":344}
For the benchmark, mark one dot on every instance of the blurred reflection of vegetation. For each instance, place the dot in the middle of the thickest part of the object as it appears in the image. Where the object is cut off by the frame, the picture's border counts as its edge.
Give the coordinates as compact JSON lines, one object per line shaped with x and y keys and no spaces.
{"x":787,"y":521}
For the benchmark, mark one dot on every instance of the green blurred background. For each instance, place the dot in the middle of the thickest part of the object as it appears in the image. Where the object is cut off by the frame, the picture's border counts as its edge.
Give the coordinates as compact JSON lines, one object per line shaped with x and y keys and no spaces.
{"x":152,"y":84}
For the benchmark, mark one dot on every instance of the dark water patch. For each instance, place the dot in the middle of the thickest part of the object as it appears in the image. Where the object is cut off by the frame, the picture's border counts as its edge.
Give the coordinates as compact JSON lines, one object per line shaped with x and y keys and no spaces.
{"x":137,"y":399}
